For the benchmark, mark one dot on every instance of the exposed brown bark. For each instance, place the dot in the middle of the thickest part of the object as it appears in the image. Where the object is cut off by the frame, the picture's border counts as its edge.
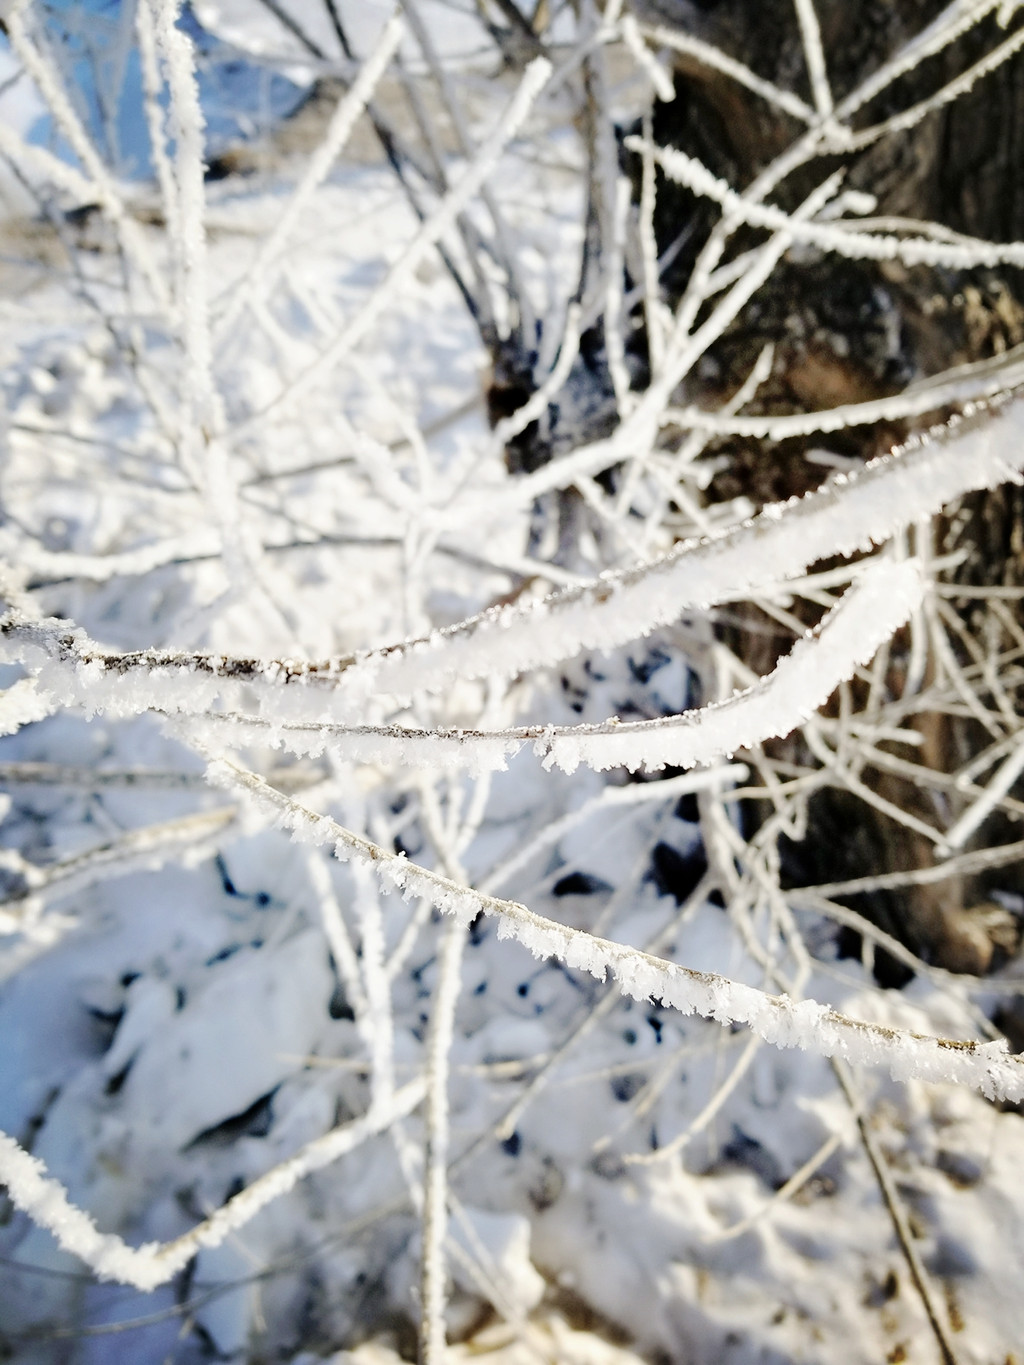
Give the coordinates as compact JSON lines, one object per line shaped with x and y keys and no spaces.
{"x":849,"y":331}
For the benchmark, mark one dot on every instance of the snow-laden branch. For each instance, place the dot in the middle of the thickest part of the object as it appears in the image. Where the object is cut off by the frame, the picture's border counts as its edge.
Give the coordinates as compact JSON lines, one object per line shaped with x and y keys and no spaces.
{"x":31,"y":1189}
{"x":780,"y":1020}
{"x":883,"y":598}
{"x":431,"y":230}
{"x":973,"y":382}
{"x":99,"y":182}
{"x":964,"y":253}
{"x":258,"y":279}
{"x":848,"y":515}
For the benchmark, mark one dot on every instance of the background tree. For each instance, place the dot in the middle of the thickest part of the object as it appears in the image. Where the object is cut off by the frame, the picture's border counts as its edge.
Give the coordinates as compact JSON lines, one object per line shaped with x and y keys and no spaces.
{"x":467,"y":839}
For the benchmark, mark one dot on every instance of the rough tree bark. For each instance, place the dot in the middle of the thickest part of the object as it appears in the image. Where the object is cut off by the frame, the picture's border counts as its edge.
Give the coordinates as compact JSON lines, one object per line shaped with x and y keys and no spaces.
{"x":848,"y":331}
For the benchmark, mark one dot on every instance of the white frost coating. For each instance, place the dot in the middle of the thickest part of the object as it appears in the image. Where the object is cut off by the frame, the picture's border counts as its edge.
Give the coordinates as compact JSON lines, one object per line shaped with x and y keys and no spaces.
{"x":659,"y":77}
{"x":816,"y":1028}
{"x":849,"y":514}
{"x":434,"y":1224}
{"x":439,"y":750}
{"x":139,"y":850}
{"x":720,"y":61}
{"x":965,"y":253}
{"x":985,"y":804}
{"x":71,"y":670}
{"x":201,"y":415}
{"x":971,"y":383}
{"x":259,"y":278}
{"x":877,"y":605}
{"x":882,"y":600}
{"x":37,"y":164}
{"x":152,"y":83}
{"x":36,"y":562}
{"x":45,"y":1200}
{"x":814,"y":58}
{"x":21,"y":704}
{"x":189,"y":205}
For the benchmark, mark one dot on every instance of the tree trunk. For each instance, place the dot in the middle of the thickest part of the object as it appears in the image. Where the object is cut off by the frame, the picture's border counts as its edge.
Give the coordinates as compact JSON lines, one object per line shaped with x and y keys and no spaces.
{"x":847,"y":331}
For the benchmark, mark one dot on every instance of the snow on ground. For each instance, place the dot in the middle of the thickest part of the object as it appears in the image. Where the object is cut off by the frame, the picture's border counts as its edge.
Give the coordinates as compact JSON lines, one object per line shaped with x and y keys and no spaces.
{"x":175,"y":1024}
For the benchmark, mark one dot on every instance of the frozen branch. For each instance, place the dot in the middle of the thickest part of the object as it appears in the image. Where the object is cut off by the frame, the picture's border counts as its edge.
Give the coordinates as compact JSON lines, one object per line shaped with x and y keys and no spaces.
{"x":779,"y":1020}
{"x":31,"y":1189}
{"x":846,"y":516}
{"x":964,"y":253}
{"x":713,"y":57}
{"x":99,"y":182}
{"x":482,"y":166}
{"x":258,"y":278}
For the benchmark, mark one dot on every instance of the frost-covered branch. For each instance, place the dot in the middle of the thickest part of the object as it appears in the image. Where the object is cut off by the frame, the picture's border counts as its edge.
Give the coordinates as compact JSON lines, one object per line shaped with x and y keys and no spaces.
{"x":883,"y":598}
{"x":190,"y":838}
{"x":258,"y":278}
{"x":435,"y":1182}
{"x":98,"y":182}
{"x":31,"y":1189}
{"x":779,"y":1020}
{"x":320,"y":423}
{"x":963,"y":384}
{"x":962,"y":253}
{"x":846,"y":516}
{"x":881,"y":601}
{"x":709,"y":55}
{"x":478,"y":171}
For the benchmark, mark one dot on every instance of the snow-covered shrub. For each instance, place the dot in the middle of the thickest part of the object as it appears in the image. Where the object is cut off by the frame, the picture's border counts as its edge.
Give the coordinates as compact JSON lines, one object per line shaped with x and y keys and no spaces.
{"x":360,"y":954}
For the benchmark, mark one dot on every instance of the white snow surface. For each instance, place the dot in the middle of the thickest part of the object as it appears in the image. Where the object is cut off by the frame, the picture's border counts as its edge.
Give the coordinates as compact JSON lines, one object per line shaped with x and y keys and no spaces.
{"x":189,"y":1105}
